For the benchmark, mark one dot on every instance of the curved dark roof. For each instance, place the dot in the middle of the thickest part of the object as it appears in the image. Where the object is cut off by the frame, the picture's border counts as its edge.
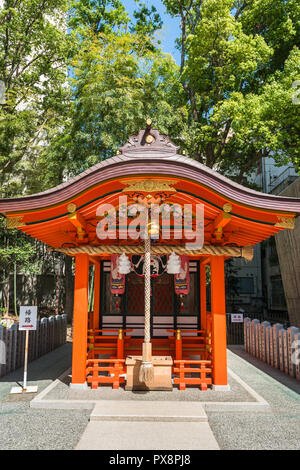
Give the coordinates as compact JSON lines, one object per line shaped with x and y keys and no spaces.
{"x":154,"y":163}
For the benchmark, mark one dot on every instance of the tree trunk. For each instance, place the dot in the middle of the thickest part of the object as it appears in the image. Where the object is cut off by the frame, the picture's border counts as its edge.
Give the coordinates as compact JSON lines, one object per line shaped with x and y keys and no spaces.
{"x":6,"y":290}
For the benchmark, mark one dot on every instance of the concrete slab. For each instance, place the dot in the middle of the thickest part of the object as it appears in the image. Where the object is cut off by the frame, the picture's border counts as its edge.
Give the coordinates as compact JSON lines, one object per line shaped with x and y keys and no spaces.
{"x":127,"y":435}
{"x":162,"y":411}
{"x":59,"y":396}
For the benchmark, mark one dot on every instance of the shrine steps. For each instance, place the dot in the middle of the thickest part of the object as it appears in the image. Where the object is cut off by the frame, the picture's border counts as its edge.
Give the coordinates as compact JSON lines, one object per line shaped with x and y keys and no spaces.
{"x":163,"y":411}
{"x":147,"y":425}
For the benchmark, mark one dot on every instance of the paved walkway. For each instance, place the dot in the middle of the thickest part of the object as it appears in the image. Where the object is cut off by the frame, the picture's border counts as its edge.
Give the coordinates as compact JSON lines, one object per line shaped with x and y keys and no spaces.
{"x":146,"y":425}
{"x":278,"y":427}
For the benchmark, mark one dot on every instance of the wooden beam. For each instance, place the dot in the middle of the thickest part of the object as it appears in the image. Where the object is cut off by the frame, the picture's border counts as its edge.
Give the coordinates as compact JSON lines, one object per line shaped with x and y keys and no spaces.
{"x":94,"y":260}
{"x":79,"y":222}
{"x":220,"y":222}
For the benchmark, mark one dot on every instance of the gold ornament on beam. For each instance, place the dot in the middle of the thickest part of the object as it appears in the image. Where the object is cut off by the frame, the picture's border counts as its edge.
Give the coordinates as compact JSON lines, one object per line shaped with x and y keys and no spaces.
{"x":71,"y":207}
{"x":285,"y":222}
{"x":14,"y":222}
{"x":227,"y":207}
{"x":149,"y":186}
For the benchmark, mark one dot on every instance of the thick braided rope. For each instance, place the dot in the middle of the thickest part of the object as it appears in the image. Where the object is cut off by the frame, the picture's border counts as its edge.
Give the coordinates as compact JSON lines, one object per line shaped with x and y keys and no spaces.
{"x":235,"y":251}
{"x":147,"y":289}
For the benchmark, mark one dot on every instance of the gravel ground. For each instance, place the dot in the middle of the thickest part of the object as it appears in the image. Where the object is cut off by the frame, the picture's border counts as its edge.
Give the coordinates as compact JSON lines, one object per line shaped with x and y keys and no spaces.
{"x":22,"y":427}
{"x":276,"y":430}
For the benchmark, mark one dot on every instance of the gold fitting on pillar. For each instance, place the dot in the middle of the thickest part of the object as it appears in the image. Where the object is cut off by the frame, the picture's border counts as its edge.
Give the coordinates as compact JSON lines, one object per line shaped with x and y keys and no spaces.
{"x":120,"y":334}
{"x":178,"y":334}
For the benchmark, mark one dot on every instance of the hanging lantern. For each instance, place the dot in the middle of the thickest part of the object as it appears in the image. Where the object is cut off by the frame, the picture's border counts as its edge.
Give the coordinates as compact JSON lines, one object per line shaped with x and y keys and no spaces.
{"x":182,"y":279}
{"x":174,"y":264}
{"x":124,"y":265}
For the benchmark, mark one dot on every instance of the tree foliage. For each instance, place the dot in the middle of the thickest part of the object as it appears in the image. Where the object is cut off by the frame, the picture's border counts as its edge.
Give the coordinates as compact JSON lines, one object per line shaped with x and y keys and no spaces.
{"x":119,"y":78}
{"x":34,"y":46}
{"x":239,"y":60}
{"x":80,"y":76}
{"x":227,"y":104}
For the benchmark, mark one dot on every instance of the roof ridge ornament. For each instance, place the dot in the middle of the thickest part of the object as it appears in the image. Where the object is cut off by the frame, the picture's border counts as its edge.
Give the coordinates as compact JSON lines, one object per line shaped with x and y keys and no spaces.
{"x":149,"y":142}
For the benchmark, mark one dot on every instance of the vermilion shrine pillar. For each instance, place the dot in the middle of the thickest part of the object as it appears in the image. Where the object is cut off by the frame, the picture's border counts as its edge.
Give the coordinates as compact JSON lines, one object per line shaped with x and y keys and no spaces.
{"x":203,"y":296}
{"x":218,"y":312}
{"x":80,"y":321}
{"x":96,"y":314}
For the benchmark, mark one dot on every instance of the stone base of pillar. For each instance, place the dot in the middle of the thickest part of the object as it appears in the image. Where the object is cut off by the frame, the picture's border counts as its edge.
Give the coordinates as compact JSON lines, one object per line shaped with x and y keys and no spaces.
{"x":221,"y":388}
{"x":83,"y":386}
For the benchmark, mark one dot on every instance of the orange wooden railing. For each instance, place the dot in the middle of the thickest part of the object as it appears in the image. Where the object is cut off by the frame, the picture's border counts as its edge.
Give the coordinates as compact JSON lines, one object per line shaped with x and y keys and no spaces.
{"x":179,"y":346}
{"x":115,"y":367}
{"x":198,"y":344}
{"x":203,"y":369}
{"x":112,"y":345}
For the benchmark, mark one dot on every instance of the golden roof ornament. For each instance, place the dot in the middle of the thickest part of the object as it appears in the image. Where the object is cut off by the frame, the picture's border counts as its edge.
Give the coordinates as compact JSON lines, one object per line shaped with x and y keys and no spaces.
{"x":149,"y":191}
{"x":150,"y":186}
{"x":149,"y":142}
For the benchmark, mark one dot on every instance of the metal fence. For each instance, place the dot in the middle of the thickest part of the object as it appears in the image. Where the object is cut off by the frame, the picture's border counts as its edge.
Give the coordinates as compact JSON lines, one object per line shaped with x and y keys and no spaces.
{"x":50,"y":334}
{"x":273,"y":344}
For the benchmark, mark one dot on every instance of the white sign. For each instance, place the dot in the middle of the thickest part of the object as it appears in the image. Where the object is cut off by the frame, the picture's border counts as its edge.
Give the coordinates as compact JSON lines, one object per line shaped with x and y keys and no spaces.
{"x":28,"y":318}
{"x":237,"y":318}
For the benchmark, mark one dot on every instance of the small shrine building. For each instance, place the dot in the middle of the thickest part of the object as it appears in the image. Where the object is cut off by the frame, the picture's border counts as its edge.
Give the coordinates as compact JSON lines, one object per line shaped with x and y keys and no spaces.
{"x":85,"y":218}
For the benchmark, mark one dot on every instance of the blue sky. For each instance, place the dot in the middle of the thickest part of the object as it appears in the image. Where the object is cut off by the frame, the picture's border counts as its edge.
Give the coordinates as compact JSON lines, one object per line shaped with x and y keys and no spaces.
{"x":170,"y":30}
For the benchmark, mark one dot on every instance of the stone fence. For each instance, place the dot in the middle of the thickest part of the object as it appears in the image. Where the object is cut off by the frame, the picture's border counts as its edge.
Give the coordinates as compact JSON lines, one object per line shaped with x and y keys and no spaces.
{"x":50,"y":334}
{"x":275,"y":345}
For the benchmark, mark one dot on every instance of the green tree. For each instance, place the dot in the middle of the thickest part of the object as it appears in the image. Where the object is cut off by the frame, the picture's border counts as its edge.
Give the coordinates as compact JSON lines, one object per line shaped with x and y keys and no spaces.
{"x":239,"y":60}
{"x":17,"y":255}
{"x":34,"y":47}
{"x":119,"y":79}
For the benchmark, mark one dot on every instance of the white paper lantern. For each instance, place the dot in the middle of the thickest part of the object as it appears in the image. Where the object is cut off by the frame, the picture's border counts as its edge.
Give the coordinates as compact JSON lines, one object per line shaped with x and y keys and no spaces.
{"x":124,"y":265}
{"x":174,"y":264}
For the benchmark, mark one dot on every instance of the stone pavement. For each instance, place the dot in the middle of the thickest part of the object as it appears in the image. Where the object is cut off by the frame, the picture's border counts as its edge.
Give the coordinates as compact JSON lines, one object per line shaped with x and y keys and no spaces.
{"x":251,"y":426}
{"x":143,"y":425}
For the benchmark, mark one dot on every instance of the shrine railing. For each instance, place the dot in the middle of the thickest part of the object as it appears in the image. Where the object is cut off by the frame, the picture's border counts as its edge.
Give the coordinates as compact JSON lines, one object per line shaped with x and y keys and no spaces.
{"x":182,"y":345}
{"x":105,"y":371}
{"x":101,"y":342}
{"x":191,"y":372}
{"x":197,"y":343}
